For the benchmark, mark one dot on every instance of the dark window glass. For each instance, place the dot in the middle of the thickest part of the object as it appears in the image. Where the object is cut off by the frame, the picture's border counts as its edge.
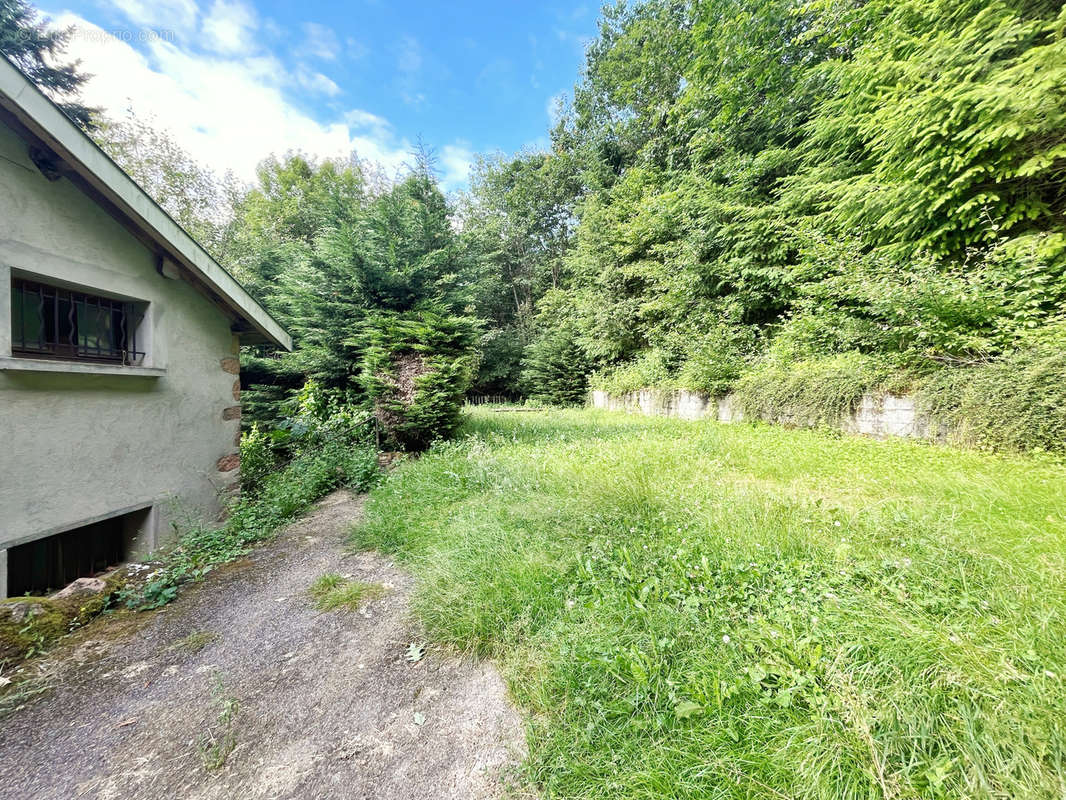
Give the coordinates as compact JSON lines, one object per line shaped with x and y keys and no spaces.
{"x":44,"y":565}
{"x":51,"y":322}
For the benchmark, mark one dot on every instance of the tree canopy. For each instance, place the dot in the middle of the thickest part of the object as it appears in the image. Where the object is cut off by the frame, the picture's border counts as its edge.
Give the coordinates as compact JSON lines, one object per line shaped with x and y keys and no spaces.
{"x":737,"y":188}
{"x":745,"y":182}
{"x":34,"y":47}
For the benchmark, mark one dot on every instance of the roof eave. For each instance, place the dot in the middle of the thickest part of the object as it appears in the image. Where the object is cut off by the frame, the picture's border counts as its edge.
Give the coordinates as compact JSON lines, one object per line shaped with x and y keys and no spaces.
{"x":94,"y":171}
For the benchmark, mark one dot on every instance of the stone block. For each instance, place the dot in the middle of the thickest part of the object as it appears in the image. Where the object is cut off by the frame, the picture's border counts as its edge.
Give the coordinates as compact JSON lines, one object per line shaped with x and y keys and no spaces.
{"x":229,"y":463}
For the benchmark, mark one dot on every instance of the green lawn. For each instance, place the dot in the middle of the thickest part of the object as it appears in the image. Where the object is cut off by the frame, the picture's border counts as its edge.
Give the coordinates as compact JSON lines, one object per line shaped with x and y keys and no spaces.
{"x":700,"y":610}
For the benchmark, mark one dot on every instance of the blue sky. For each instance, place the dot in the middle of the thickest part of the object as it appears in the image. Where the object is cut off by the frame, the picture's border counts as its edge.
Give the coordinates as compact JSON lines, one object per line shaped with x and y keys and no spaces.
{"x":234,"y":80}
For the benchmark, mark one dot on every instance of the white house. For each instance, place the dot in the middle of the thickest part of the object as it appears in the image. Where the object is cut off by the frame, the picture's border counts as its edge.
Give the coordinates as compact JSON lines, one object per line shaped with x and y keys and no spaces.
{"x":119,"y":378}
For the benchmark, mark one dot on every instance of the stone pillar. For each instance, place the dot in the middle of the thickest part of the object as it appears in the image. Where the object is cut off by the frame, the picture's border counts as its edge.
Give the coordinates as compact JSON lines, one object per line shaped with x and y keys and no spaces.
{"x":227,"y":468}
{"x":3,"y":574}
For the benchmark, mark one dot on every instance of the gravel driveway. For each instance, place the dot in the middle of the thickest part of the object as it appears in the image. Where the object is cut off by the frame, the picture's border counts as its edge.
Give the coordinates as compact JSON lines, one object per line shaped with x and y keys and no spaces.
{"x":242,"y":689}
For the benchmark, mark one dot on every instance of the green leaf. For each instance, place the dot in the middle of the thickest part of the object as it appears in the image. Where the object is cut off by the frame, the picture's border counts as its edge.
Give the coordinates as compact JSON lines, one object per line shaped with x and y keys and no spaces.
{"x":686,"y":709}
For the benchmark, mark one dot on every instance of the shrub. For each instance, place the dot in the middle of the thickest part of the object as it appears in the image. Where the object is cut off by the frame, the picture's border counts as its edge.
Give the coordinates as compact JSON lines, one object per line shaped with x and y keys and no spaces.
{"x":650,"y":370}
{"x":718,"y":359}
{"x":258,"y":458}
{"x":709,"y":362}
{"x":1015,"y":403}
{"x":416,"y":371}
{"x":555,"y":369}
{"x":500,"y":362}
{"x":313,"y":418}
{"x":817,"y":391}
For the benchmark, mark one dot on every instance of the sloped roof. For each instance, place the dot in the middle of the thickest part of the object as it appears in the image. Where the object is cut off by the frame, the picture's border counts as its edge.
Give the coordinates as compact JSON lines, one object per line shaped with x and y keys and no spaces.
{"x":75,"y":156}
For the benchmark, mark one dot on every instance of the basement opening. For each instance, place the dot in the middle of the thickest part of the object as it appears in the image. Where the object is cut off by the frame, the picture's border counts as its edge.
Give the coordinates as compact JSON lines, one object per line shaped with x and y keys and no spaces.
{"x":48,"y":564}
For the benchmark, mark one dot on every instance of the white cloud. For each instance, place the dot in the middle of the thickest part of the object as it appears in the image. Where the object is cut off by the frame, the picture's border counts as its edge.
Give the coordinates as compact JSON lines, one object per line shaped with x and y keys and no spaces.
{"x":577,"y":41}
{"x":456,"y":161}
{"x":555,"y":106}
{"x":176,"y":15}
{"x":541,"y":144}
{"x":409,"y":54}
{"x":317,"y":82}
{"x":229,"y":28}
{"x":320,"y":41}
{"x":365,"y":121}
{"x":229,"y":113}
{"x":409,"y":65}
{"x":355,"y":49}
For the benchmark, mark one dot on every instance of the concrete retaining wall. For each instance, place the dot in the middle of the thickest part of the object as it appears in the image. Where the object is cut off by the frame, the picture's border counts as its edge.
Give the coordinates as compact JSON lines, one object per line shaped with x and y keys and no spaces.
{"x":879,"y":415}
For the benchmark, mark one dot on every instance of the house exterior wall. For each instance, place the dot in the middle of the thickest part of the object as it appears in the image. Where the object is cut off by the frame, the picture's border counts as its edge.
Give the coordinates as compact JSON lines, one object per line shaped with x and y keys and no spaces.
{"x":79,"y":446}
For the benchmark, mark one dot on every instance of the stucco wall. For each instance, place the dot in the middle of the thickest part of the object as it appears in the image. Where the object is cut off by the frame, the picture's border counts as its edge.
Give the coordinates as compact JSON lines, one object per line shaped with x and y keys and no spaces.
{"x":80,"y":447}
{"x":875,"y":415}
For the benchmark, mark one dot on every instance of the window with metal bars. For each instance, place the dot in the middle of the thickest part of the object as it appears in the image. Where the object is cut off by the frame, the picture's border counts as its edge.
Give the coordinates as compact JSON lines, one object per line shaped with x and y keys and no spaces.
{"x":53,"y":322}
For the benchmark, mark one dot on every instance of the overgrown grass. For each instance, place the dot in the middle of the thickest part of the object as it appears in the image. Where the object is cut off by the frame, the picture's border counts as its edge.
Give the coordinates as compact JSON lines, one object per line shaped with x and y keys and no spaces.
{"x":332,"y":591}
{"x":696,"y":610}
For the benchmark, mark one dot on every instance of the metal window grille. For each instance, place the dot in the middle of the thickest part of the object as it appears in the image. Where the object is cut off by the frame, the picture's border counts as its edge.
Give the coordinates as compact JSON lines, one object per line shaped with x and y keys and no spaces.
{"x":51,"y":322}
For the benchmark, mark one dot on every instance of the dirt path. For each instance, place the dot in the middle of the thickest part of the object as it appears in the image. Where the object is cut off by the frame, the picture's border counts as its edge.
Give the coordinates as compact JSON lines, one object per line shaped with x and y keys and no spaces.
{"x":314,"y":705}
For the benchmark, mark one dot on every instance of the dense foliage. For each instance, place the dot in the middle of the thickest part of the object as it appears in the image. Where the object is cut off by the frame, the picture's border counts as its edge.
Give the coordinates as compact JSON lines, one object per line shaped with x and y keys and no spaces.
{"x":416,"y":369}
{"x":365,"y":273}
{"x":802,"y":200}
{"x":197,"y":199}
{"x":759,"y":185}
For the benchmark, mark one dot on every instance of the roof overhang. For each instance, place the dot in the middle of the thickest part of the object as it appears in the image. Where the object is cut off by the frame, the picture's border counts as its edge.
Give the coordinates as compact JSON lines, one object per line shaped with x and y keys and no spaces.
{"x":70,"y":153}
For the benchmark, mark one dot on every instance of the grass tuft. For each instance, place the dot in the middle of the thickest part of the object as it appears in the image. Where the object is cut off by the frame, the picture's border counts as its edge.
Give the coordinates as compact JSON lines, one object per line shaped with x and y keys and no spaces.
{"x":219,"y":735}
{"x":332,"y":591}
{"x":195,"y":642}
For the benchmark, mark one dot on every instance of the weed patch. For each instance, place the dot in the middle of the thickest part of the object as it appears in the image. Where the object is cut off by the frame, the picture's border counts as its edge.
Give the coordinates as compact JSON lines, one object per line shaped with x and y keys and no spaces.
{"x":219,"y":736}
{"x":332,"y":591}
{"x":279,"y":499}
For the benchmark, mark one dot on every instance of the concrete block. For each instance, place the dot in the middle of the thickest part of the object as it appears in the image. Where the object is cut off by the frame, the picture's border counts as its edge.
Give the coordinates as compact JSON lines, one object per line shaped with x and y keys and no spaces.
{"x":729,"y":410}
{"x":692,"y":405}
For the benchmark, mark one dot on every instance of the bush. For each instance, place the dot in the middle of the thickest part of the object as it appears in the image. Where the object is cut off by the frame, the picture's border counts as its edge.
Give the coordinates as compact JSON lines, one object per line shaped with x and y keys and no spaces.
{"x":649,"y":371}
{"x":718,"y":359}
{"x":281,"y":496}
{"x":710,"y":362}
{"x":416,"y":372}
{"x":313,"y":418}
{"x":556,"y":369}
{"x":500,"y":362}
{"x":818,"y":391}
{"x":258,"y":458}
{"x":1015,"y":403}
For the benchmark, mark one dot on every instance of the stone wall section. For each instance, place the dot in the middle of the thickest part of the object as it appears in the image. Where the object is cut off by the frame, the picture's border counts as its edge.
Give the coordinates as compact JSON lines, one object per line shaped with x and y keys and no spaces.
{"x":228,"y":466}
{"x":877,"y":415}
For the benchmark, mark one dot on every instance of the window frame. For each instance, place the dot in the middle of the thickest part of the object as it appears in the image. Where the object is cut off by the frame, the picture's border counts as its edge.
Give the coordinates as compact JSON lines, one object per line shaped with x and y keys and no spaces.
{"x":124,"y":351}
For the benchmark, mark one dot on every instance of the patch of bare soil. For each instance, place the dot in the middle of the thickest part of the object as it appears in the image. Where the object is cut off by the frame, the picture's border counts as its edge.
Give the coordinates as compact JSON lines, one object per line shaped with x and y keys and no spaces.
{"x":242,"y":689}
